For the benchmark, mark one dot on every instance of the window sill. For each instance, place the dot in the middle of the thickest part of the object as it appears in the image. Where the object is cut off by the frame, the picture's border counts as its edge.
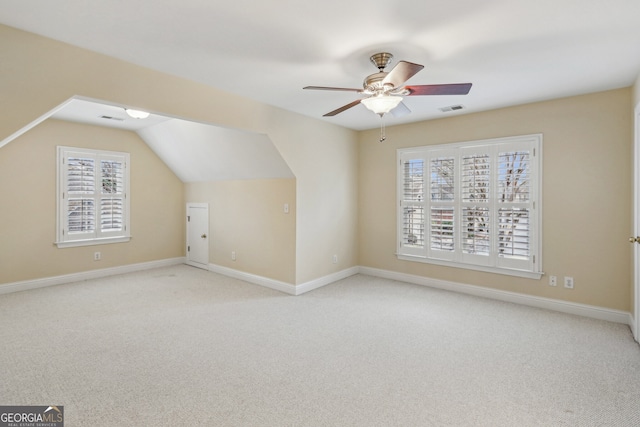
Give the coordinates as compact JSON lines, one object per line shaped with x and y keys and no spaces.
{"x":495,"y":270}
{"x":92,"y":242}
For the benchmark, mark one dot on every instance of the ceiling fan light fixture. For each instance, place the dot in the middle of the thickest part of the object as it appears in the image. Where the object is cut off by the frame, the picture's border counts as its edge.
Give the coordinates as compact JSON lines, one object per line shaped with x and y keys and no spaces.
{"x":382,"y":104}
{"x":384,"y":91}
{"x":137,"y":114}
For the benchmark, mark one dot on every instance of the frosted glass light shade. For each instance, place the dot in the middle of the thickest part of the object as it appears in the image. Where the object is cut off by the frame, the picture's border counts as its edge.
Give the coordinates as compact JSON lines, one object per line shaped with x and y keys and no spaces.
{"x":137,"y":114}
{"x":382,"y":104}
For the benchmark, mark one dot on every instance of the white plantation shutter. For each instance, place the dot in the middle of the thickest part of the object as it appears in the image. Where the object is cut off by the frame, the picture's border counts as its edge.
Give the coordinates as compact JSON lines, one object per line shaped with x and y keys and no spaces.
{"x":92,"y":199}
{"x":441,"y":227}
{"x":482,"y":206}
{"x":514,"y":175}
{"x":476,"y":177}
{"x":112,"y":194}
{"x":412,"y":206}
{"x":514,"y":207}
{"x":442,"y":217}
{"x":514,"y":233}
{"x":476,"y":226}
{"x":80,"y":185}
{"x":476,"y":213}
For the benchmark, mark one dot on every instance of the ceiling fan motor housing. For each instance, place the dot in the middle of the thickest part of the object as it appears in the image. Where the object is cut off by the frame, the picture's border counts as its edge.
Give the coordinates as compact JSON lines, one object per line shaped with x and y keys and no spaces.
{"x":373,"y":83}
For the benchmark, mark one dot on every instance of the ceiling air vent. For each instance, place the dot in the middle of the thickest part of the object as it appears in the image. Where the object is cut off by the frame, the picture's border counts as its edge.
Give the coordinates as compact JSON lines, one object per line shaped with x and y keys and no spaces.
{"x":451,"y":108}
{"x":118,"y":119}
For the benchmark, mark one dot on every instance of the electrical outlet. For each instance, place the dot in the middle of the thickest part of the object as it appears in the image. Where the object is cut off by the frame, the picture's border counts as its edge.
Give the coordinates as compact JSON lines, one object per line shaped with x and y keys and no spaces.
{"x":335,"y":259}
{"x":553,"y":281}
{"x":568,"y":282}
{"x":233,"y":255}
{"x":97,"y":256}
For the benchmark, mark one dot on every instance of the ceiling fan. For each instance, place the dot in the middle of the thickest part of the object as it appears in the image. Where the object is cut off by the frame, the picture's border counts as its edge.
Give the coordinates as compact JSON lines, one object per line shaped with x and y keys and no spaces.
{"x":384,"y":90}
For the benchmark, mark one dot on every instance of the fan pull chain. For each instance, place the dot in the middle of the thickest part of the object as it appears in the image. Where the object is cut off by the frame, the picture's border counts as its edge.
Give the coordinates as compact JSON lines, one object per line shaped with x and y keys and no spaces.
{"x":382,"y":129}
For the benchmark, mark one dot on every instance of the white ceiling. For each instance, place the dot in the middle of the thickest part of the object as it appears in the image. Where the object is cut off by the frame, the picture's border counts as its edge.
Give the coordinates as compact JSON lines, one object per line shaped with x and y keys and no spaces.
{"x":513,"y":51}
{"x":100,"y":113}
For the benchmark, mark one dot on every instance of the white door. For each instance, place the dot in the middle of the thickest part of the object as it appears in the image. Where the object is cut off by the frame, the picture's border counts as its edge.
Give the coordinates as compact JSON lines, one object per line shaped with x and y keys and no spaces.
{"x":635,"y":327}
{"x":636,"y":227}
{"x":198,"y":235}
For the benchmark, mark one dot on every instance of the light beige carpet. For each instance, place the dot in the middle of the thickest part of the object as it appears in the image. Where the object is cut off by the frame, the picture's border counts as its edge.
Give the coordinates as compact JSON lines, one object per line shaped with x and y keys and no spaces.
{"x":179,"y":346}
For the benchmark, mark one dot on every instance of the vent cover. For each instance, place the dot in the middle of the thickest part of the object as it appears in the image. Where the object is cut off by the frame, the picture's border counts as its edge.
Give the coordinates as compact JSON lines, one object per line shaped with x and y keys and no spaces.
{"x":452,"y":108}
{"x":118,"y":119}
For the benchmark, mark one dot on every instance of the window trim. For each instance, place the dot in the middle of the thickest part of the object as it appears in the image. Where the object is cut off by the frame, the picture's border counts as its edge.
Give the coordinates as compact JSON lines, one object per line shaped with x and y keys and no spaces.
{"x":97,"y":238}
{"x":423,"y":254}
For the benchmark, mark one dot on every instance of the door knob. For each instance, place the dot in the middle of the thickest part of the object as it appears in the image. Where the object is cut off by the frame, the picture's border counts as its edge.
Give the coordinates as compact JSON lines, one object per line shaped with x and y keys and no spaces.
{"x":634,"y":239}
{"x":204,"y":236}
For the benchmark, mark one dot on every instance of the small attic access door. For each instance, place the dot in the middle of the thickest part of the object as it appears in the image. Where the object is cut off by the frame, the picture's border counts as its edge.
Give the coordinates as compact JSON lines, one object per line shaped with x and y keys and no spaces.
{"x":198,"y":235}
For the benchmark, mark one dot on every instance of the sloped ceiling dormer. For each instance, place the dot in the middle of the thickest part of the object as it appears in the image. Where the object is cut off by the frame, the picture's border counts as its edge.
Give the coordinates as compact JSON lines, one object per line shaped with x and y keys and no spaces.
{"x":195,"y":152}
{"x":199,"y":152}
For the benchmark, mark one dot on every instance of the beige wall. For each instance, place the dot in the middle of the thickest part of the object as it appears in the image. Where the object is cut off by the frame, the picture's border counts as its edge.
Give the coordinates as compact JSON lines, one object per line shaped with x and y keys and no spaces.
{"x":248,"y":217}
{"x":586,"y":194}
{"x":324,"y":159}
{"x":345,"y":181}
{"x":38,"y":74}
{"x":28,"y":212}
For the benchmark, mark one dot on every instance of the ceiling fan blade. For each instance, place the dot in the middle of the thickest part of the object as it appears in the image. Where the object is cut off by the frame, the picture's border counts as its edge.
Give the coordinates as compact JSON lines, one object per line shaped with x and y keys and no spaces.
{"x":446,"y":89}
{"x":401,"y":110}
{"x":344,"y":89}
{"x":343,"y":108}
{"x":402,"y":72}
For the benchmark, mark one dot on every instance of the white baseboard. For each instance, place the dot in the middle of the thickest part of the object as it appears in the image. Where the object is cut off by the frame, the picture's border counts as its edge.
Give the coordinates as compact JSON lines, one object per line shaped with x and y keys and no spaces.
{"x":253,"y":278}
{"x":326,"y":280}
{"x":25,"y":285}
{"x":632,"y":325}
{"x":591,"y":311}
{"x":594,"y":312}
{"x":282,"y":286}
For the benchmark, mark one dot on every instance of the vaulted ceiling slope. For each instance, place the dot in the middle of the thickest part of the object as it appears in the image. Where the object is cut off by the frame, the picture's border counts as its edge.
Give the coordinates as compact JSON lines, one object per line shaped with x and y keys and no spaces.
{"x":195,"y":152}
{"x":513,"y":52}
{"x":198,"y":152}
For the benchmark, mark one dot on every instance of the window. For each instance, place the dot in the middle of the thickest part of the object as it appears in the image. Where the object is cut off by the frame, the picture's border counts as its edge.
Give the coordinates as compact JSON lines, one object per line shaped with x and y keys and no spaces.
{"x":93,"y":206}
{"x":472,"y":205}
